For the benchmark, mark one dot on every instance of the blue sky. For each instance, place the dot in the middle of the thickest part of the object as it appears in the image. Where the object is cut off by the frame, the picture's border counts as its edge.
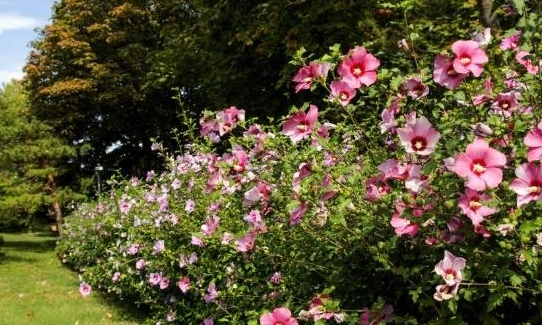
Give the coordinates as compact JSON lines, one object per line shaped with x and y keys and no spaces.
{"x":18,"y":21}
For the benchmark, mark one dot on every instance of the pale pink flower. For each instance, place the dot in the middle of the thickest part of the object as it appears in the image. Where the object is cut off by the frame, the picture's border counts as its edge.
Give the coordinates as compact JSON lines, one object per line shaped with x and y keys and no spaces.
{"x":420,"y":139}
{"x":164,"y":283}
{"x":155,"y":278}
{"x":238,"y":161}
{"x":211,"y":294}
{"x":210,"y":226}
{"x":528,"y":64}
{"x":445,"y":74}
{"x":275,"y":278}
{"x":445,"y":292}
{"x":469,"y":57}
{"x":158,"y":247}
{"x":246,"y":243}
{"x":140,"y":264}
{"x":415,"y":180}
{"x":116,"y":276}
{"x":403,"y":226}
{"x":481,"y":165}
{"x":279,"y":316}
{"x":450,"y":268}
{"x":510,"y":43}
{"x":341,"y":92}
{"x":197,"y":241}
{"x":307,"y":74}
{"x":359,"y":68}
{"x":85,"y":289}
{"x":392,"y":169}
{"x":184,"y":284}
{"x":189,"y":206}
{"x":528,"y":184}
{"x":388,"y":122}
{"x":533,"y":140}
{"x":505,"y":103}
{"x":208,"y":321}
{"x":261,"y":191}
{"x":415,"y":88}
{"x":375,"y":188}
{"x":228,"y":118}
{"x":470,"y":204}
{"x":300,"y":125}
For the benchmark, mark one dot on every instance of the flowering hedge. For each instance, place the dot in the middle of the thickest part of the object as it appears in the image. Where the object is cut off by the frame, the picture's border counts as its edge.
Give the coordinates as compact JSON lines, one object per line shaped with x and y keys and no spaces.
{"x":400,"y":197}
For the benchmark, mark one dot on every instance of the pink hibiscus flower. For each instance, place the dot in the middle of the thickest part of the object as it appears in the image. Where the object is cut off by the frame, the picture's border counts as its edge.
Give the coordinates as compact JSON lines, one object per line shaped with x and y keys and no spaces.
{"x":510,"y":43}
{"x":445,"y":292}
{"x":403,"y":226}
{"x":528,"y":184}
{"x":85,"y":289}
{"x":415,"y":88}
{"x":533,"y":140}
{"x":445,"y":74}
{"x":505,"y":103}
{"x":279,"y":316}
{"x":359,"y":68}
{"x":300,"y":125}
{"x":528,"y":64}
{"x":469,"y":57}
{"x":184,"y":284}
{"x":470,"y":204}
{"x":450,"y":268}
{"x":341,"y":92}
{"x":481,"y":165}
{"x":307,"y":74}
{"x":420,"y":138}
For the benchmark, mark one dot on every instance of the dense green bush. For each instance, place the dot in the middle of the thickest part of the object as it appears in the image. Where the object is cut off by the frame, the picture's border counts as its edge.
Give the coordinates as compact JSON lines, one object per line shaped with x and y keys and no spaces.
{"x":411,"y":198}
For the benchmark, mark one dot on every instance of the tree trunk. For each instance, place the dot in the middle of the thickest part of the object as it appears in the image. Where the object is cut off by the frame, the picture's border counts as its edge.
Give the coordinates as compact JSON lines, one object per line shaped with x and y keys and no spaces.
{"x":57,"y":208}
{"x":489,"y":19}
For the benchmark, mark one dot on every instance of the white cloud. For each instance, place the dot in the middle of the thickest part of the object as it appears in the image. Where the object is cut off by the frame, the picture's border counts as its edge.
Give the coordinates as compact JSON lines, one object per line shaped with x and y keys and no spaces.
{"x":7,"y":75}
{"x":11,"y":21}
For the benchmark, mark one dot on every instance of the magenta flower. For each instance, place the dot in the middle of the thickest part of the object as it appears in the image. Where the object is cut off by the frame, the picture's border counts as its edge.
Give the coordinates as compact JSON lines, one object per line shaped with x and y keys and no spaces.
{"x":300,"y":125}
{"x":528,"y":184}
{"x":445,"y":74}
{"x":341,"y":92}
{"x":238,"y":161}
{"x":450,"y":268}
{"x":279,"y":316}
{"x":359,"y":68}
{"x":297,"y":213}
{"x":85,"y":289}
{"x":469,"y":57}
{"x":420,"y":138}
{"x":470,"y":204}
{"x":307,"y":74}
{"x":533,"y":140}
{"x":415,"y":88}
{"x":480,"y":164}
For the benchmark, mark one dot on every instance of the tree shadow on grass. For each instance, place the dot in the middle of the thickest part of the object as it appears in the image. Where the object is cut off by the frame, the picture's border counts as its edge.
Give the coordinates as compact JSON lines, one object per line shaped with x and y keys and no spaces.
{"x":6,"y":259}
{"x":30,"y":246}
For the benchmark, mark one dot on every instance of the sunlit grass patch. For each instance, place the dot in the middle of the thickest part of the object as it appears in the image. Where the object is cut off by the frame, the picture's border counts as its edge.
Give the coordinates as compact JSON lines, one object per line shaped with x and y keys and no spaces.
{"x":36,"y":289}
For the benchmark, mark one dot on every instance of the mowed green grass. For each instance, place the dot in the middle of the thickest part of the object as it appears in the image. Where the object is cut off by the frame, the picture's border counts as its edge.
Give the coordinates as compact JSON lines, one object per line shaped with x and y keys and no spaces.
{"x":36,"y":289}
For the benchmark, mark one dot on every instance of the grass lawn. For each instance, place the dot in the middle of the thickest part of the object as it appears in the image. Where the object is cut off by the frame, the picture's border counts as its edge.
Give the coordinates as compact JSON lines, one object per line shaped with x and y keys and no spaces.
{"x":36,"y":289}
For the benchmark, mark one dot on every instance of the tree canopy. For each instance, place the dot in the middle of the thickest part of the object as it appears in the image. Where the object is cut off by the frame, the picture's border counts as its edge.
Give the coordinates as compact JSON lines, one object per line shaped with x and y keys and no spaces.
{"x":103,"y":73}
{"x":33,"y":163}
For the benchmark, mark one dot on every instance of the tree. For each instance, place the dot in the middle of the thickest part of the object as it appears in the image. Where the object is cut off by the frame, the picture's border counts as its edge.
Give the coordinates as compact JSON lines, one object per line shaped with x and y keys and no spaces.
{"x":32,"y":163}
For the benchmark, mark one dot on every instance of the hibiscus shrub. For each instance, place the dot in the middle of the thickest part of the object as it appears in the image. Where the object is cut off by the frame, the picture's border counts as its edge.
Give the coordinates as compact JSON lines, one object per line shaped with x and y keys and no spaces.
{"x":400,"y":197}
